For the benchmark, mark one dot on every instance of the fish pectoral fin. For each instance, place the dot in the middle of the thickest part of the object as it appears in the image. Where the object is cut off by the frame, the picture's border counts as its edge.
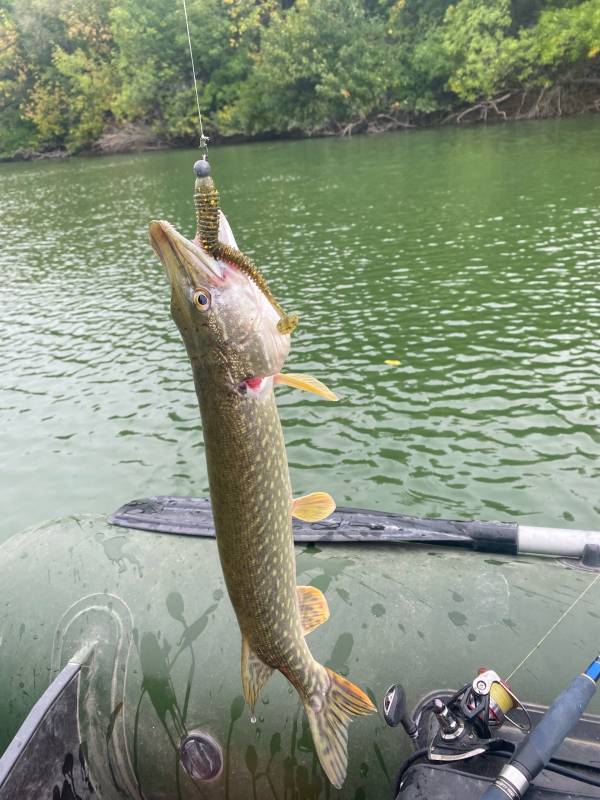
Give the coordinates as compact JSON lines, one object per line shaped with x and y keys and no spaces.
{"x":255,"y":673}
{"x":314,"y":610}
{"x":306,"y":382}
{"x":313,"y":507}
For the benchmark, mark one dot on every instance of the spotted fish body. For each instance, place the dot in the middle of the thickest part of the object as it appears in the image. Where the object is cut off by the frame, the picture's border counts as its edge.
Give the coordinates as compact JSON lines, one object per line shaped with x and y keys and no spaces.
{"x":236,"y":348}
{"x":251,"y":500}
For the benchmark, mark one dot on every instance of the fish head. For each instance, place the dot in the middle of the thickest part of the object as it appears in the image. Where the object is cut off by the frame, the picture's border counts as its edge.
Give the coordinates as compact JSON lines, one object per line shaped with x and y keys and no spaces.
{"x":228,"y":325}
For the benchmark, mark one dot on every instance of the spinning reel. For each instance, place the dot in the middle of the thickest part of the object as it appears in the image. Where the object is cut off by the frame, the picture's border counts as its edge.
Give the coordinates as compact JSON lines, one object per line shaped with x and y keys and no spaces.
{"x":453,"y":727}
{"x":461,"y":725}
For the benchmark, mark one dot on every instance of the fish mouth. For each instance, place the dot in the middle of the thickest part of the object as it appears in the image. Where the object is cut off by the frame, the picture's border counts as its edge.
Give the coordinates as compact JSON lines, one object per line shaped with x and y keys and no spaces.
{"x":180,"y":255}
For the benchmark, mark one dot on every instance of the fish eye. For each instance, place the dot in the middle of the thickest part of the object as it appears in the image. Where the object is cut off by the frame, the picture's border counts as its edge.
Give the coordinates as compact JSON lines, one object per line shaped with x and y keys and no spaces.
{"x":202,"y":299}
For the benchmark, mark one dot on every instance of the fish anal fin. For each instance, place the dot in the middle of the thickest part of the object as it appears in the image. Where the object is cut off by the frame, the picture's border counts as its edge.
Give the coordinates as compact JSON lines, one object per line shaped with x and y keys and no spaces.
{"x":313,"y":507}
{"x":314,"y":610}
{"x":255,"y":673}
{"x":305,"y":382}
{"x":329,"y":713}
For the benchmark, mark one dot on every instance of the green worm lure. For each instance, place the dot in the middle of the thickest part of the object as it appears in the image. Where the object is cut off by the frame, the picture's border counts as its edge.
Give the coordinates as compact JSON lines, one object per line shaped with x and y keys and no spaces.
{"x":206,"y":201}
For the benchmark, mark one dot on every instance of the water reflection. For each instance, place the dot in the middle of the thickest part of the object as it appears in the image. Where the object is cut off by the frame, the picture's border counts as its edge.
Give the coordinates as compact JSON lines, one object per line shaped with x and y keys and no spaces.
{"x":470,"y":256}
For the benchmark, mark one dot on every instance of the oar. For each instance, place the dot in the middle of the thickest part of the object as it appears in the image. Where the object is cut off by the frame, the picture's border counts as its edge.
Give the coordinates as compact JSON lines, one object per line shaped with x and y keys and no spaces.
{"x":191,"y":516}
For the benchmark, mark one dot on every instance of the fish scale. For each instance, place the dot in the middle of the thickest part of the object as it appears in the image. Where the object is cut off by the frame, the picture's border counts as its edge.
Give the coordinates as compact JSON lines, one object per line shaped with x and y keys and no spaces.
{"x":255,"y":540}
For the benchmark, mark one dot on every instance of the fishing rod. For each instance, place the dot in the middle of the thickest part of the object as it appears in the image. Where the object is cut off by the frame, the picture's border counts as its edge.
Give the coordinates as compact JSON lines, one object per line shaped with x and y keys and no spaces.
{"x":539,"y":746}
{"x":460,"y":738}
{"x":462,"y":730}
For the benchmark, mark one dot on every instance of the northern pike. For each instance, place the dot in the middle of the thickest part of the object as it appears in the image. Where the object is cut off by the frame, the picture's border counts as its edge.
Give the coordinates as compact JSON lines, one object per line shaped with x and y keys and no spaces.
{"x":236,"y":342}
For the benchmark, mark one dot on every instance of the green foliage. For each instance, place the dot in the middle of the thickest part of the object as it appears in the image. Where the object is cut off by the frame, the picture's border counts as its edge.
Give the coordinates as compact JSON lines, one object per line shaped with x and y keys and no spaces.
{"x":12,"y":68}
{"x":421,"y":66}
{"x":323,"y":62}
{"x":154,"y":67}
{"x":15,"y":131}
{"x":72,"y":69}
{"x":66,"y":82}
{"x":474,"y":33}
{"x":563,"y":40}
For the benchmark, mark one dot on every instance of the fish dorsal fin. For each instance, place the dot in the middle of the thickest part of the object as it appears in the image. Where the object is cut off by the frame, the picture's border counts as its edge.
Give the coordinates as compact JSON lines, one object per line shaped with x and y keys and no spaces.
{"x":306,"y":382}
{"x":314,"y":610}
{"x":255,"y":673}
{"x":313,"y":507}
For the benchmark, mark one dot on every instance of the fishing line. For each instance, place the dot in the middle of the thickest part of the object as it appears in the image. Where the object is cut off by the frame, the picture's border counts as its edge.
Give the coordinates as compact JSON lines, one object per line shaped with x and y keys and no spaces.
{"x":556,"y":624}
{"x":203,"y":138}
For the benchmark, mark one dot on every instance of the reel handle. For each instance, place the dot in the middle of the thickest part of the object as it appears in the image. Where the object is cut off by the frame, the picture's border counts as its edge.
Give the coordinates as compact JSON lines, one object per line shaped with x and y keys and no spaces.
{"x":395,"y":711}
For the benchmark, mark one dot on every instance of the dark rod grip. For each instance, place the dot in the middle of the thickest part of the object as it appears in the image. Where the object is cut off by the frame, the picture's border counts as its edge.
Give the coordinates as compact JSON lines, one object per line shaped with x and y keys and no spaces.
{"x":557,"y":723}
{"x":494,"y":793}
{"x":560,"y":719}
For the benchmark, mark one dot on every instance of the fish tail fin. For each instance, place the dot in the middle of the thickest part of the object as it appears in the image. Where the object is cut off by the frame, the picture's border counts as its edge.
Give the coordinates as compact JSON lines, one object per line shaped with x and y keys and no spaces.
{"x":329,"y":709}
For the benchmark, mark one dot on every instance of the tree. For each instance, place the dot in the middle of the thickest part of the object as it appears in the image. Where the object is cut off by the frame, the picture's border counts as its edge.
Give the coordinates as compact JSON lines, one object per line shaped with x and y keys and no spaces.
{"x":473,"y":38}
{"x":564,"y":41}
{"x":15,"y":131}
{"x":154,"y":67}
{"x":322,"y":64}
{"x":70,"y":70}
{"x":68,"y":90}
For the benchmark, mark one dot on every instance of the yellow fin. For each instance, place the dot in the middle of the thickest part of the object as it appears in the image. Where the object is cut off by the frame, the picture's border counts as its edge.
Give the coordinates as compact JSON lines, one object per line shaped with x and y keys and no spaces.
{"x":313,"y":507}
{"x":255,"y":674}
{"x":314,"y":610}
{"x":329,"y":715}
{"x":306,"y":382}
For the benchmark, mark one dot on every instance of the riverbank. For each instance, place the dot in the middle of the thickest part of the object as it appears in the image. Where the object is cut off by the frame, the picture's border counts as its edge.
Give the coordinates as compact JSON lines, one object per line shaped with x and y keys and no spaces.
{"x":116,"y":76}
{"x":565,"y":99}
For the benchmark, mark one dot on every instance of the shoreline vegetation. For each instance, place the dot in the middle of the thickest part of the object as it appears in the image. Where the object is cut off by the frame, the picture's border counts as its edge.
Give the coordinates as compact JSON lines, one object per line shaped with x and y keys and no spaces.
{"x":113,"y":76}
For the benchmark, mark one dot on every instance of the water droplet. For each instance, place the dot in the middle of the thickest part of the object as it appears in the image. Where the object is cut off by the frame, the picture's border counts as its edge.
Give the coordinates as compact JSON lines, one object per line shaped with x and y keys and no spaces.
{"x":253,"y":719}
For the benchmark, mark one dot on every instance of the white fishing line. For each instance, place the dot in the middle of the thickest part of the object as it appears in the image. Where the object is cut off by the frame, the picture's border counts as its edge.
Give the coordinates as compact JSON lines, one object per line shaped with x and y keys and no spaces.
{"x":556,"y":624}
{"x":203,"y":138}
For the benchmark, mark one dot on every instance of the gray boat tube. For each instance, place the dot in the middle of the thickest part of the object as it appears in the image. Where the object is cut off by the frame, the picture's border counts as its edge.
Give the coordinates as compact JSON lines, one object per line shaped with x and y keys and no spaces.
{"x":191,"y":516}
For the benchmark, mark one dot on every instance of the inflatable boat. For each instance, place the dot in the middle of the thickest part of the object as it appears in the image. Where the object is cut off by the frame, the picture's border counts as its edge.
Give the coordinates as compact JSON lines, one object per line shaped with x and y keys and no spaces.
{"x":120,"y":674}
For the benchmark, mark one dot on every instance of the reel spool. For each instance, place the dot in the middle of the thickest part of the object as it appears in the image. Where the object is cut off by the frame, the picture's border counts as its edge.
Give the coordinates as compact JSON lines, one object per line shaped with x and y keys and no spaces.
{"x":487,"y":701}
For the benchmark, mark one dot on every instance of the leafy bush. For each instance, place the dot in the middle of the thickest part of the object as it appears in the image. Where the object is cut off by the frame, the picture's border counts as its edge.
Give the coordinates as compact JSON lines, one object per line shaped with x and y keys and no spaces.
{"x":73,"y":72}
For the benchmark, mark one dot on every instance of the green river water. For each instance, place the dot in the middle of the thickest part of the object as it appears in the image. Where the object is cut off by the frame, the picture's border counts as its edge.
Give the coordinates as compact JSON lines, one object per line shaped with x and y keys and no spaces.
{"x":472,"y":256}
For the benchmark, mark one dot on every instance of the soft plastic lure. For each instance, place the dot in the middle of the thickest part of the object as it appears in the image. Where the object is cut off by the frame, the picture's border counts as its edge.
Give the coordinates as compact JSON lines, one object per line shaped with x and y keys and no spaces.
{"x":206,"y":201}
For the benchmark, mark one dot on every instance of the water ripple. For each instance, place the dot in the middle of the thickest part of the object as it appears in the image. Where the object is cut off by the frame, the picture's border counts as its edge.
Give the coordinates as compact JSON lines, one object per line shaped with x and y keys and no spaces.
{"x":457,"y":253}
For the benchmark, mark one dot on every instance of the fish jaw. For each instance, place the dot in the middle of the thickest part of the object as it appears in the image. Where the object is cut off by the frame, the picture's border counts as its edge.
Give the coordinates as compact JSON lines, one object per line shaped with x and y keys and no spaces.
{"x":236,"y":335}
{"x":183,"y":259}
